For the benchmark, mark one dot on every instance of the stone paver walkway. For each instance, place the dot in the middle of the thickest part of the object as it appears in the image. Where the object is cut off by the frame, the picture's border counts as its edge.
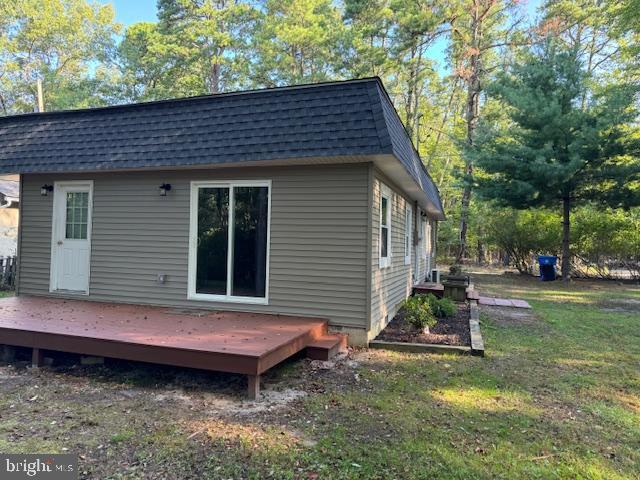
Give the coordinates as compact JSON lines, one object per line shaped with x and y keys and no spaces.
{"x":503,"y":302}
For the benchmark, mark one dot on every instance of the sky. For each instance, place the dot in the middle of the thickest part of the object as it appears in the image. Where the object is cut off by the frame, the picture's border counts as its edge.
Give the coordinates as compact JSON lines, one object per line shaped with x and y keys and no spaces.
{"x":132,"y":11}
{"x":128,"y":11}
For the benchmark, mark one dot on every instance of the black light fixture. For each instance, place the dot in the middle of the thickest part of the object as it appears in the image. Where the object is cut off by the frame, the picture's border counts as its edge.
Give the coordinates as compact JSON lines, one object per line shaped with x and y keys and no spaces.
{"x":164,"y":188}
{"x":45,"y":189}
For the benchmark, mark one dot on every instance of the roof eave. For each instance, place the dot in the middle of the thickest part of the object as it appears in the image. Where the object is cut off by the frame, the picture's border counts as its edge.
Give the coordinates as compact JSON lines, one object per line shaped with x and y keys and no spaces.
{"x":395,"y":170}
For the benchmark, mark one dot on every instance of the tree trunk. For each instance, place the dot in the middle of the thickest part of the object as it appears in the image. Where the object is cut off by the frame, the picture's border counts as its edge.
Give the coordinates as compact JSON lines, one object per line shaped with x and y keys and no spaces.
{"x":566,"y":229}
{"x":214,"y":80}
{"x":472,"y":114}
{"x":410,"y":112}
{"x":443,"y":125}
{"x":481,"y":253}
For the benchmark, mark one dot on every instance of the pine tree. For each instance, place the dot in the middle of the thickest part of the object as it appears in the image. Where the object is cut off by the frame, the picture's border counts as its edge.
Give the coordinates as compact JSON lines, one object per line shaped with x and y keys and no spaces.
{"x":554,"y":148}
{"x":298,"y":41}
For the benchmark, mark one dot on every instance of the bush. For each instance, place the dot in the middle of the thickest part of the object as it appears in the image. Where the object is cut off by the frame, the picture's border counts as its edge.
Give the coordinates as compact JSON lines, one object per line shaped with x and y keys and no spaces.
{"x":417,"y":312}
{"x":441,"y":307}
{"x":605,"y":243}
{"x":455,"y":270}
{"x":522,"y":235}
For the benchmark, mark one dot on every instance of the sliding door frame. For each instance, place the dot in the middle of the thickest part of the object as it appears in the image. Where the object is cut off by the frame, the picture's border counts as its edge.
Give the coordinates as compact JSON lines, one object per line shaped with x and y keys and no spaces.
{"x":193,"y":242}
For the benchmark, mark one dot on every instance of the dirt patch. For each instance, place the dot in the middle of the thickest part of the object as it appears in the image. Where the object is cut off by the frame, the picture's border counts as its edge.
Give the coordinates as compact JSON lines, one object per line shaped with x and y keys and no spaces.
{"x":448,"y":331}
{"x":506,"y":316}
{"x":621,"y":305}
{"x":118,"y":415}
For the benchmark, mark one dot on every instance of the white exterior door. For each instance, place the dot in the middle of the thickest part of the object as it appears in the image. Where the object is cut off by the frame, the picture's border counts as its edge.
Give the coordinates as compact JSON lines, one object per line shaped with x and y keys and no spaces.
{"x":71,"y":236}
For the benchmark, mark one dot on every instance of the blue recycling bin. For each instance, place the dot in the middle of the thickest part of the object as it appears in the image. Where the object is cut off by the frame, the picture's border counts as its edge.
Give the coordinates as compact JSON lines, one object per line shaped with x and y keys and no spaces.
{"x":547,"y":267}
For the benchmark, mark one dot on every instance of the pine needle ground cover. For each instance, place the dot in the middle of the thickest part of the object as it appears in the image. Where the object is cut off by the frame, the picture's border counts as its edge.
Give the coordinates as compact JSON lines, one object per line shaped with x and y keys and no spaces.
{"x":557,"y":396}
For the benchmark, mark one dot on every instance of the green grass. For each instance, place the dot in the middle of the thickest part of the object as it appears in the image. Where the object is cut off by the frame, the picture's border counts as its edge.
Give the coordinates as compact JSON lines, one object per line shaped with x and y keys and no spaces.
{"x":557,"y":396}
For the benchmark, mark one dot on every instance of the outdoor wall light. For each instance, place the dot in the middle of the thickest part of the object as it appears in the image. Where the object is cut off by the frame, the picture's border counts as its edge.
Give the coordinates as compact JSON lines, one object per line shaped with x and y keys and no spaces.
{"x":45,"y":189}
{"x":164,"y":188}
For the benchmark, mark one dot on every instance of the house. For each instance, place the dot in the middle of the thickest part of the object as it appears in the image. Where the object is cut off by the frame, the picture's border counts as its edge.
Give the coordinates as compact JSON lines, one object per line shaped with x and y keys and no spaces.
{"x":308,"y":201}
{"x":9,"y":204}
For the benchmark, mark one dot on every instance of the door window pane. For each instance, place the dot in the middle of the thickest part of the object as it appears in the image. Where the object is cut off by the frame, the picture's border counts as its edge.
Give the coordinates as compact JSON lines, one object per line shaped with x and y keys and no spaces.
{"x":251,"y":205}
{"x":77,"y":215}
{"x":213,"y":238}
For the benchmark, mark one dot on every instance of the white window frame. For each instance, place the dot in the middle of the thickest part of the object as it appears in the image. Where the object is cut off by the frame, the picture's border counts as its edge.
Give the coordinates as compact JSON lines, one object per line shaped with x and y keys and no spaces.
{"x":193,"y":242}
{"x":385,"y":192}
{"x":407,"y":233}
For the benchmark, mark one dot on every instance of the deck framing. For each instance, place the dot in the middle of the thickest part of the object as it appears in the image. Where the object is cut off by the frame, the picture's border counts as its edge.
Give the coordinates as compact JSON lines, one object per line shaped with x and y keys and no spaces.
{"x":266,"y":340}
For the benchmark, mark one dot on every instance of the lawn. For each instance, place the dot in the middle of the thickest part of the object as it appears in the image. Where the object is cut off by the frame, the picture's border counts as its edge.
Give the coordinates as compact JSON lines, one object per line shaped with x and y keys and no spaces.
{"x":557,"y":396}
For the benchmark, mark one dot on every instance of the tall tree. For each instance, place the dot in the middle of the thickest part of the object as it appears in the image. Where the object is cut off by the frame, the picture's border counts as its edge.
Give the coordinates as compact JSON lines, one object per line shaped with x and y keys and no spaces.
{"x":392,"y":39}
{"x":623,"y":18}
{"x":480,"y":30}
{"x":148,"y":65}
{"x":554,"y":150}
{"x":210,"y":39}
{"x":59,"y":42}
{"x":299,"y":41}
{"x":371,"y":26}
{"x":419,"y":25}
{"x":584,"y":26}
{"x":197,"y":47}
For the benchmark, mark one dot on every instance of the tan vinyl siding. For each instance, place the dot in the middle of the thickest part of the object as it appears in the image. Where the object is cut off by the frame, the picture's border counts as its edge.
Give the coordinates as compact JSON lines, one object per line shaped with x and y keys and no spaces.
{"x":318,"y":255}
{"x":392,"y":284}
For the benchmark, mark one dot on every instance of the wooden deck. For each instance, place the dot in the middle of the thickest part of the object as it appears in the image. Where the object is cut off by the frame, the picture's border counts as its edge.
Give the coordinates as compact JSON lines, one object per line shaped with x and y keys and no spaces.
{"x":235,"y":342}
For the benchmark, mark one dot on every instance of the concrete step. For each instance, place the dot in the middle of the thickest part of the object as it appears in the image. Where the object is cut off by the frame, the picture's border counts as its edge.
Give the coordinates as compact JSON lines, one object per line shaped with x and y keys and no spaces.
{"x":327,"y":346}
{"x":473,"y":295}
{"x":424,"y":288}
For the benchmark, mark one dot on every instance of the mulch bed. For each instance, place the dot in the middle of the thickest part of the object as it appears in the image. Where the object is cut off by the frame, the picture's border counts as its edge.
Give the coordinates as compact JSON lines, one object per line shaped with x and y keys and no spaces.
{"x":448,"y":331}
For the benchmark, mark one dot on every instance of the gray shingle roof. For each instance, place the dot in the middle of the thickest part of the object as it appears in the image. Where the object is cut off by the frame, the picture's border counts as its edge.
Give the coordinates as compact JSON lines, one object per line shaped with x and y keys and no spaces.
{"x":352,"y":118}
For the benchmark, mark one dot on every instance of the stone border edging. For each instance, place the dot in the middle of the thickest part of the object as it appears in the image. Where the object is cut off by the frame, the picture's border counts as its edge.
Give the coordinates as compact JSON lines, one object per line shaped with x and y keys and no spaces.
{"x":419,"y":347}
{"x":477,"y":344}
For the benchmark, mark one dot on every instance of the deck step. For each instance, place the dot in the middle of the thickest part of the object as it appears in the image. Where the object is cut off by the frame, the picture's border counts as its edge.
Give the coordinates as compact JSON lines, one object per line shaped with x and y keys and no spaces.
{"x":327,"y":346}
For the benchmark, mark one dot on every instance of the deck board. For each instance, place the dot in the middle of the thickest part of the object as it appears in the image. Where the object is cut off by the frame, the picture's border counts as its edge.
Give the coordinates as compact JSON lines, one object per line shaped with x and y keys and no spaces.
{"x":235,"y":342}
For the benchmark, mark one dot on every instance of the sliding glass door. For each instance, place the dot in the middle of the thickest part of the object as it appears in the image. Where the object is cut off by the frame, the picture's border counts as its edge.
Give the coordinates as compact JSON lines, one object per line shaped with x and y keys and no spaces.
{"x":228,"y":258}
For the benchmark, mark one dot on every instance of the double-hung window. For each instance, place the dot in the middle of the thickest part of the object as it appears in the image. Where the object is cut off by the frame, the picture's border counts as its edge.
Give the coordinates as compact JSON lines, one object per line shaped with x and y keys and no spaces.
{"x":407,"y":234}
{"x":229,"y":241}
{"x":385,"y":227}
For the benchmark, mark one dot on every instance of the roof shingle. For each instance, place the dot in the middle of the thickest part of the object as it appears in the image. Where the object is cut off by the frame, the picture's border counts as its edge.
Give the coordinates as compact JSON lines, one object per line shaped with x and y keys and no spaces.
{"x":352,"y":118}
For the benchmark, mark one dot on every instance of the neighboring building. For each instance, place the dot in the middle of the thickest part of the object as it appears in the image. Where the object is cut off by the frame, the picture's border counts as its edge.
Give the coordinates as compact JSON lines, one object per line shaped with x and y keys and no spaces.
{"x":332,"y":212}
{"x":9,"y":205}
